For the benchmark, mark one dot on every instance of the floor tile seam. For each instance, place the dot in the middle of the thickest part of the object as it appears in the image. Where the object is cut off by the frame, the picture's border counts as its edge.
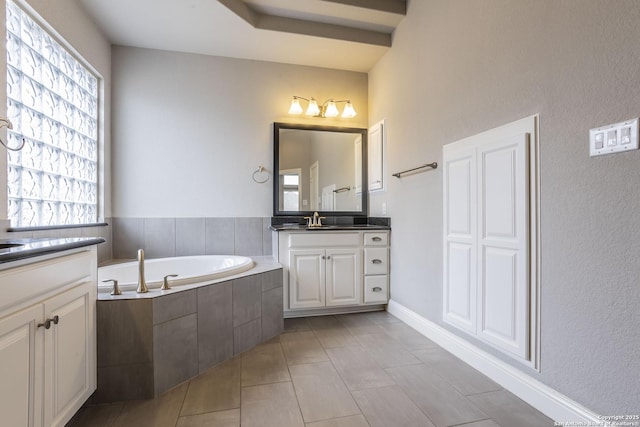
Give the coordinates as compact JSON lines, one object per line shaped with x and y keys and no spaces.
{"x":328,"y":348}
{"x":399,"y":386}
{"x":309,"y":363}
{"x":356,"y":401}
{"x":455,"y":389}
{"x":184,"y":397}
{"x":315,"y":337}
{"x":484,"y":392}
{"x":433,"y":367}
{"x":337,"y":418}
{"x":207,"y":412}
{"x":295,"y":393}
{"x":259,"y":384}
{"x":472,"y":422}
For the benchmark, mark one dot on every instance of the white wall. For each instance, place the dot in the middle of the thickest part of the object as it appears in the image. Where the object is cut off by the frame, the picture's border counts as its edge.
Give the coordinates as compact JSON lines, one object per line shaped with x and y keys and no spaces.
{"x":189,"y":130}
{"x":460,"y":67}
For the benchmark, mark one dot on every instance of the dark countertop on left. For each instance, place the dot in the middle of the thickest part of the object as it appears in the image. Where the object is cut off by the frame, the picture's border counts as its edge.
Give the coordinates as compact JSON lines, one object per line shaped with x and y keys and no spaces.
{"x":17,"y":249}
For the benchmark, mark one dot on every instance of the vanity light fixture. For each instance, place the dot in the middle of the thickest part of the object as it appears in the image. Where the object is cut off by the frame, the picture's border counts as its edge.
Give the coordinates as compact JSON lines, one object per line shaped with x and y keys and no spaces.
{"x":327,"y":109}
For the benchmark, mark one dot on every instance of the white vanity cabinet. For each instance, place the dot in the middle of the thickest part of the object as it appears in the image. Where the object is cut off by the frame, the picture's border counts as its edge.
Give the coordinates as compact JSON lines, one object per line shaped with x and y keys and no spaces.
{"x":330,"y":270}
{"x":324,"y":277}
{"x":47,"y":337}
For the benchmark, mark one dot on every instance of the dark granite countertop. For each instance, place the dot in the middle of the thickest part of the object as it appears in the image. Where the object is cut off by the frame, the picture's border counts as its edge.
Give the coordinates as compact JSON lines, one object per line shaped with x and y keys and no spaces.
{"x":17,"y":249}
{"x":299,"y":227}
{"x":331,"y":223}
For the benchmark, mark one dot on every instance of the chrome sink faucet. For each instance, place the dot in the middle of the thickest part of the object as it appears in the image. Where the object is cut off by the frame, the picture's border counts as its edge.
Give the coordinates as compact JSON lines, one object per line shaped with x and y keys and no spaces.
{"x":142,"y":284}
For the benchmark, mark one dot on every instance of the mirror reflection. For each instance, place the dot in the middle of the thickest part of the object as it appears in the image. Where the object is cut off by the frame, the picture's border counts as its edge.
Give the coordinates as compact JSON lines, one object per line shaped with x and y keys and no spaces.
{"x":319,"y":168}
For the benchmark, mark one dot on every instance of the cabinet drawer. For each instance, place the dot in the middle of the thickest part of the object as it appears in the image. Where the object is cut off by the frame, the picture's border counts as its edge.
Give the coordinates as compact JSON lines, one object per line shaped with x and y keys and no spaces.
{"x":376,"y":289}
{"x":322,"y":239}
{"x":376,"y":239}
{"x":376,"y":261}
{"x":22,"y":283}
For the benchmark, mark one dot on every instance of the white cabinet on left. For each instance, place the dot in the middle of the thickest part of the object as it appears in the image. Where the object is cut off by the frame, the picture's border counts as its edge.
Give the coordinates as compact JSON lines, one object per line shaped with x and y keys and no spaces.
{"x":47,"y":340}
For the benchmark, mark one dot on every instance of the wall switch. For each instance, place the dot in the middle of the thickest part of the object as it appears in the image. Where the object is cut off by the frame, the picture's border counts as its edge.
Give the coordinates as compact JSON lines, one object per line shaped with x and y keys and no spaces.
{"x":614,"y":138}
{"x":384,"y":208}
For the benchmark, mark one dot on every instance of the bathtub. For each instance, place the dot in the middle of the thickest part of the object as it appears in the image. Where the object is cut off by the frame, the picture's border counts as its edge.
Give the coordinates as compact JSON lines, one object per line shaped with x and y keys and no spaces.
{"x":190,"y":270}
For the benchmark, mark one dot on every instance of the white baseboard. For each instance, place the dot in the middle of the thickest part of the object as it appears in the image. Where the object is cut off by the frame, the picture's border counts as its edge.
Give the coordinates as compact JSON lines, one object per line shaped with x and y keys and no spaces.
{"x":542,"y":397}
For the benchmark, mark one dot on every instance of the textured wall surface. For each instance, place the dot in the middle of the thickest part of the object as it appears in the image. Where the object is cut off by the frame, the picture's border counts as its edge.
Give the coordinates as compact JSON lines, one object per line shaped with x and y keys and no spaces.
{"x":458,"y":68}
{"x":189,"y":130}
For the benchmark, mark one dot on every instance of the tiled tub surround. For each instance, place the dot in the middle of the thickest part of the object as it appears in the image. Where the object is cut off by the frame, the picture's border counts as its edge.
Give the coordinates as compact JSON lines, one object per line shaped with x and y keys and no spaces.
{"x":169,"y":237}
{"x":149,"y":343}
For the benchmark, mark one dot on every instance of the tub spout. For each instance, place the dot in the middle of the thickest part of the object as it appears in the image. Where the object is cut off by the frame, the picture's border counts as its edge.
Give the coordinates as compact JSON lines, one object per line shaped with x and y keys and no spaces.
{"x":142,"y":284}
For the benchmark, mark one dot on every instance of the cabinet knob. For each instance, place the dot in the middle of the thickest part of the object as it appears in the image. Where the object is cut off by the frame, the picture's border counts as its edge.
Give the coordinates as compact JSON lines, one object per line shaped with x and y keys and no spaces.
{"x":377,"y":289}
{"x":376,"y":239}
{"x":47,"y":323}
{"x":376,"y":261}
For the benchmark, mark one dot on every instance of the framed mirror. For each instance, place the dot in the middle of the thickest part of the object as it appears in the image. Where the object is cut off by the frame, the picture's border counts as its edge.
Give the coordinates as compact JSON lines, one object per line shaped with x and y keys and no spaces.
{"x":319,"y":169}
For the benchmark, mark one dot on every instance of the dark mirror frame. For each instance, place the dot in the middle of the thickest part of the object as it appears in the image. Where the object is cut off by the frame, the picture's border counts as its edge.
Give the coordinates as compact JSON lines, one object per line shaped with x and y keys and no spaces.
{"x":276,"y":169}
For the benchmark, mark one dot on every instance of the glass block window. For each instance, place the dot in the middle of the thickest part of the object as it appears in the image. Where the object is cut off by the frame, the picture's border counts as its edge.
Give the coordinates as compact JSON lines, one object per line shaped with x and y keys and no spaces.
{"x":52,"y":101}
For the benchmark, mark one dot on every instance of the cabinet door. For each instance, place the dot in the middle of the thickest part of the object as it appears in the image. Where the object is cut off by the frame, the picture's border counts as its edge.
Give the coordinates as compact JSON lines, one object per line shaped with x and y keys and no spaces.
{"x":70,"y":364}
{"x":344,"y":285}
{"x":460,"y":239}
{"x":504,"y":244}
{"x":306,"y":278}
{"x":20,"y":366}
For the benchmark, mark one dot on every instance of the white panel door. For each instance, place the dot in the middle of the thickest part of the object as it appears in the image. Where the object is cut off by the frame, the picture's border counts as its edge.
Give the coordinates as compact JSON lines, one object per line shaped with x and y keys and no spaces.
{"x":344,"y":277}
{"x":306,"y":278}
{"x":70,"y":364}
{"x":20,"y":393}
{"x":503,"y":218}
{"x":460,"y":259}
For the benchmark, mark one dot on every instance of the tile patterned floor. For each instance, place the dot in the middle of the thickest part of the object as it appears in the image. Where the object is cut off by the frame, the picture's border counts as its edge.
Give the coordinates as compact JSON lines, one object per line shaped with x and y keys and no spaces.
{"x":354,"y":370}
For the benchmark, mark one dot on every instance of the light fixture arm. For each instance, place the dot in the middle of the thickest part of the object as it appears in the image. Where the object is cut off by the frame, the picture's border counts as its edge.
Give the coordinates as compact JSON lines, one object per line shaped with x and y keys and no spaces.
{"x":326,"y":109}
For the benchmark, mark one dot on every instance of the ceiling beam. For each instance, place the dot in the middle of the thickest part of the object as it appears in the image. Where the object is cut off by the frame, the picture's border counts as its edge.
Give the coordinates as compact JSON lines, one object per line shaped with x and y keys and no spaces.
{"x":305,"y":27}
{"x":320,"y":29}
{"x":241,"y":9}
{"x":398,"y":7}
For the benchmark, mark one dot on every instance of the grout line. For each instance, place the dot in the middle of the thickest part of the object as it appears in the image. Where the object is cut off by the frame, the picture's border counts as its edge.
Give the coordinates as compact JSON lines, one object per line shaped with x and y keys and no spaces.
{"x":184,"y":398}
{"x":471,"y":422}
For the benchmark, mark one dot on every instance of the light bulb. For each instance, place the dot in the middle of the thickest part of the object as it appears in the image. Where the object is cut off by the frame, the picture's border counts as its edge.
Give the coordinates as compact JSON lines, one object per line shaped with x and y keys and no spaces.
{"x":348,"y":112}
{"x":295,"y":108}
{"x":332,"y":110}
{"x":313,"y":109}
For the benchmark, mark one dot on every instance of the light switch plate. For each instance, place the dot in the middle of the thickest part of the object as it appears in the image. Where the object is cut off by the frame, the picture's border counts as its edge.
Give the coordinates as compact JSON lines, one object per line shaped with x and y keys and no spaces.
{"x":614,"y":138}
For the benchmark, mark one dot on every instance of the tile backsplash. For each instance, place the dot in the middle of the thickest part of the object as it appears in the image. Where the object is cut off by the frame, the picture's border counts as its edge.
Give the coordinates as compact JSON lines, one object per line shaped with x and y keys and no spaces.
{"x":168,"y":237}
